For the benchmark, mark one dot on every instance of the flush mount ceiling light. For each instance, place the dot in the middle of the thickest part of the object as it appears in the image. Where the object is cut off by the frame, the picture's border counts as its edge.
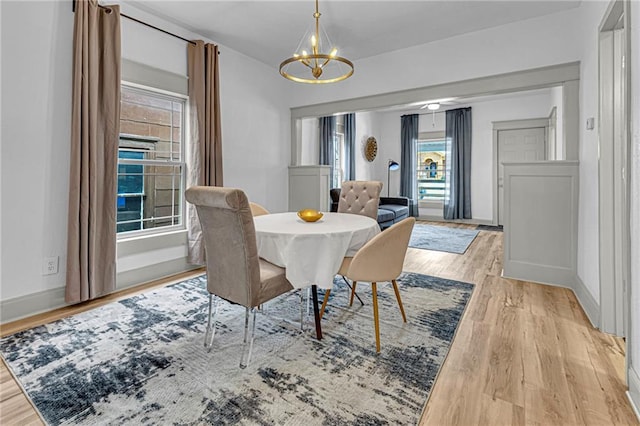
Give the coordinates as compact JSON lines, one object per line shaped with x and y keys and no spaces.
{"x":431,"y":107}
{"x":309,"y":65}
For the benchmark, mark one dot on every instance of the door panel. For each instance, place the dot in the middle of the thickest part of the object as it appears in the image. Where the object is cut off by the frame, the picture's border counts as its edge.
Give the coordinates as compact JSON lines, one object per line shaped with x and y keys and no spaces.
{"x":519,"y":145}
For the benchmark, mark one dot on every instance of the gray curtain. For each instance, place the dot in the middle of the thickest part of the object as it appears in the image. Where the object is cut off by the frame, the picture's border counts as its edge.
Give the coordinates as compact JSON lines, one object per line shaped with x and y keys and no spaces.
{"x":204,"y":148}
{"x":327,"y":128}
{"x":350,"y":146}
{"x":95,"y":128}
{"x":408,"y":145}
{"x":457,"y":194}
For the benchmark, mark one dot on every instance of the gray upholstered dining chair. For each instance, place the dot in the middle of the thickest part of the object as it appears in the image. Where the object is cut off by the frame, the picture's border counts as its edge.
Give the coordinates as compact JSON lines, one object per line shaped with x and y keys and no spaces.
{"x":257,"y":209}
{"x":234,"y":270}
{"x":360,"y":197}
{"x":379,"y":260}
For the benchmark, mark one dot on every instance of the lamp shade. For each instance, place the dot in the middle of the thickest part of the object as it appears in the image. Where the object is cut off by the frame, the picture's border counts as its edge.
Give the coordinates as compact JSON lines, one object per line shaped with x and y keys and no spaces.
{"x":393,"y":165}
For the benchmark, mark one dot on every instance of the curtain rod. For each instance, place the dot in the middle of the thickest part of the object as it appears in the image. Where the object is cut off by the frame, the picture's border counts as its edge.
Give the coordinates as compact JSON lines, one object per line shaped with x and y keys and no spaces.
{"x":143,"y":23}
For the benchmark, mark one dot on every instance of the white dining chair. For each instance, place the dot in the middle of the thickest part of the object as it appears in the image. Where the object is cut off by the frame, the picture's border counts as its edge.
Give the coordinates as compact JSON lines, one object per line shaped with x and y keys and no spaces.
{"x":379,"y":260}
{"x":257,"y":209}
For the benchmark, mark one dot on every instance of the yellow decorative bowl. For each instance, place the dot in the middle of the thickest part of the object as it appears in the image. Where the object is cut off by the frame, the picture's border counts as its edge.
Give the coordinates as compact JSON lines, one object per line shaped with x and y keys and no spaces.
{"x":309,"y":215}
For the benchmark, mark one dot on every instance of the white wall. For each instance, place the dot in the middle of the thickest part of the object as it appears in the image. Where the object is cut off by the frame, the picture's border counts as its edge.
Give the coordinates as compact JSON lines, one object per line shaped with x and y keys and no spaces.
{"x":36,"y":100}
{"x":556,"y":101}
{"x":366,"y":126}
{"x":483,"y":114}
{"x":0,"y":160}
{"x":634,"y":341}
{"x":36,"y":104}
{"x":256,"y":131}
{"x":591,"y":14}
{"x":309,"y":142}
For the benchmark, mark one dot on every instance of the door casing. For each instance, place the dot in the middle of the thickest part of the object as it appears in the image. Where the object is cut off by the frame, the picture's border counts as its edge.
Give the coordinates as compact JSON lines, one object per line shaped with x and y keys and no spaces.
{"x":510,"y":125}
{"x":614,"y":136}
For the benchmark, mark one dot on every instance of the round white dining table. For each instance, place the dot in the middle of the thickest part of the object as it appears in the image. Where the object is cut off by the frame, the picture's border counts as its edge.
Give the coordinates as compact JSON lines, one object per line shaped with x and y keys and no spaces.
{"x":312,"y":252}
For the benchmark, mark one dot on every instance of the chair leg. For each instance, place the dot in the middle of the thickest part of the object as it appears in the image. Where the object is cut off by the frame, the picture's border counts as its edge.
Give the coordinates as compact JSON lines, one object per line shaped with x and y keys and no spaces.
{"x":376,"y":320}
{"x":353,"y":292}
{"x":303,"y":302}
{"x":395,"y":288}
{"x":324,"y":302}
{"x":211,"y":324}
{"x":248,"y":348}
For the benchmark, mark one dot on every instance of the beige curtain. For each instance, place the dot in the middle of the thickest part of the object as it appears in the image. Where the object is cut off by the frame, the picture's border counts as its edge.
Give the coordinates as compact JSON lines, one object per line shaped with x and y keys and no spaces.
{"x":95,"y":124}
{"x":204,"y":151}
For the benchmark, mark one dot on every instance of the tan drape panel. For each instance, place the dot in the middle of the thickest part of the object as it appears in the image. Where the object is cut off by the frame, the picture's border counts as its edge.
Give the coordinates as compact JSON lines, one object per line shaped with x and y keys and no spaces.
{"x":204,"y":150}
{"x":95,"y":125}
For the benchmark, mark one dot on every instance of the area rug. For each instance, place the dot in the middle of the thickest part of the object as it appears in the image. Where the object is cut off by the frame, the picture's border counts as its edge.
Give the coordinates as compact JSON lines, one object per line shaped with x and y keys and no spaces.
{"x":142,"y":361}
{"x":442,"y":238}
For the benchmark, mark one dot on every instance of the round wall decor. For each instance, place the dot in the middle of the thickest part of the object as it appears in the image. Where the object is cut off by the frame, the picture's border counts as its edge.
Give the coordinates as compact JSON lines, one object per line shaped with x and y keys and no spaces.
{"x":371,"y":149}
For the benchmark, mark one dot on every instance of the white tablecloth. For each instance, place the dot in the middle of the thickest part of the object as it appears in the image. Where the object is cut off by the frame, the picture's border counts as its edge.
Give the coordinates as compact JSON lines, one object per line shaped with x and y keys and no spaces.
{"x":312,"y":252}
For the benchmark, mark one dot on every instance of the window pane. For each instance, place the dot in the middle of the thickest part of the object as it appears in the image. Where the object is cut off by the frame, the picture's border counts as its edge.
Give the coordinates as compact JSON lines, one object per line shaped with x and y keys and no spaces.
{"x":130,"y":175}
{"x":156,"y":203}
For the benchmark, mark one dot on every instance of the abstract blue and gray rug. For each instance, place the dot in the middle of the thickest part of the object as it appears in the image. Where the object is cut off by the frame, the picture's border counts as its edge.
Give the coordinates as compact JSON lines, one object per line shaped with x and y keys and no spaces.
{"x":442,"y":238}
{"x":142,"y":361}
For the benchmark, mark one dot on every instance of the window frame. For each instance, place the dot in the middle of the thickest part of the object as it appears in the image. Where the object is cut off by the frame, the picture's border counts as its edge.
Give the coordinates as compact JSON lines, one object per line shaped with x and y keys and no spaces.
{"x":429,"y":137}
{"x":173,"y":97}
{"x":339,"y":160}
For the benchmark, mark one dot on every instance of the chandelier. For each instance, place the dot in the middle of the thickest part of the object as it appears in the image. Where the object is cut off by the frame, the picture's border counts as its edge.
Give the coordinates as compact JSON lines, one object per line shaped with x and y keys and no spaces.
{"x":309,"y":65}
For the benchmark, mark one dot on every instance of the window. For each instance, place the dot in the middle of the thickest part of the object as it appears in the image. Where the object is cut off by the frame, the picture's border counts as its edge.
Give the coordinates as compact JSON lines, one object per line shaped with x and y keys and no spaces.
{"x":150,"y":162}
{"x":430,"y":165}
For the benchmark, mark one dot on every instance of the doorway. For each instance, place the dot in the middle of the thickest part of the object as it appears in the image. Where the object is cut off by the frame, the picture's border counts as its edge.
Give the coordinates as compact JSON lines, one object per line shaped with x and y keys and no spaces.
{"x":613,"y":169}
{"x":514,"y":142}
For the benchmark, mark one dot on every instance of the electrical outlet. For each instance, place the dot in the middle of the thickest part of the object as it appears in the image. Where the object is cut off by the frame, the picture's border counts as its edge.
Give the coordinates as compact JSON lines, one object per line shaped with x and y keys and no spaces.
{"x":50,"y":265}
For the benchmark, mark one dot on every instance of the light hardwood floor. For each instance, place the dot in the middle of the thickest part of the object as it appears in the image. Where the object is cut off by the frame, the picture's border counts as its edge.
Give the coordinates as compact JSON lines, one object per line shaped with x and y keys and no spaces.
{"x":524,"y":353}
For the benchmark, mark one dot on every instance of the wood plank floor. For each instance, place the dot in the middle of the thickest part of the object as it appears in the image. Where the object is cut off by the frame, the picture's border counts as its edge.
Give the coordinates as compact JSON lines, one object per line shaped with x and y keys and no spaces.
{"x":524,"y":353}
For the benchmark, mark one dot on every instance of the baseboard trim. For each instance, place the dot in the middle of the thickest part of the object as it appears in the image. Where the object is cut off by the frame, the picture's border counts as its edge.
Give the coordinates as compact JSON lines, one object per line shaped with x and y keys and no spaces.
{"x":589,"y":305}
{"x":153,"y":272}
{"x":633,"y":394}
{"x":48,"y":300}
{"x":31,"y":304}
{"x":539,"y":273}
{"x":467,"y":221}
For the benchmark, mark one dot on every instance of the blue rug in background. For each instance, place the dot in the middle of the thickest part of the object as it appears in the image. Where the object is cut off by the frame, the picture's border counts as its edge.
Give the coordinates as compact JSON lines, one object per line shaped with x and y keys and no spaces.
{"x":442,"y":238}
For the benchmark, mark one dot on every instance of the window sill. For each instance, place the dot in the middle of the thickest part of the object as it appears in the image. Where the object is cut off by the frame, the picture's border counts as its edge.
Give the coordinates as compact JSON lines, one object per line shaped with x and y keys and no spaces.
{"x":431,"y":204}
{"x":151,"y":233}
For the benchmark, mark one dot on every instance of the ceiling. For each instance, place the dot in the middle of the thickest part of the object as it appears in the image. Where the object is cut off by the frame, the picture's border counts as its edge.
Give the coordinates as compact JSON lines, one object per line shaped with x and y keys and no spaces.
{"x":448,"y":103}
{"x":270,"y":31}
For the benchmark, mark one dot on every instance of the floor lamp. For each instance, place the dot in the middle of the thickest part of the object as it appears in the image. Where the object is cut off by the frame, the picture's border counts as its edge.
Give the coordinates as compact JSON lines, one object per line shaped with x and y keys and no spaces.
{"x":391,"y":166}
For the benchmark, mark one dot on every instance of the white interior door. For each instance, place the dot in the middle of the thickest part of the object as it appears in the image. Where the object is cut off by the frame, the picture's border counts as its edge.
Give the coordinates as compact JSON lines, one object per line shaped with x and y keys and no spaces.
{"x":517,"y":145}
